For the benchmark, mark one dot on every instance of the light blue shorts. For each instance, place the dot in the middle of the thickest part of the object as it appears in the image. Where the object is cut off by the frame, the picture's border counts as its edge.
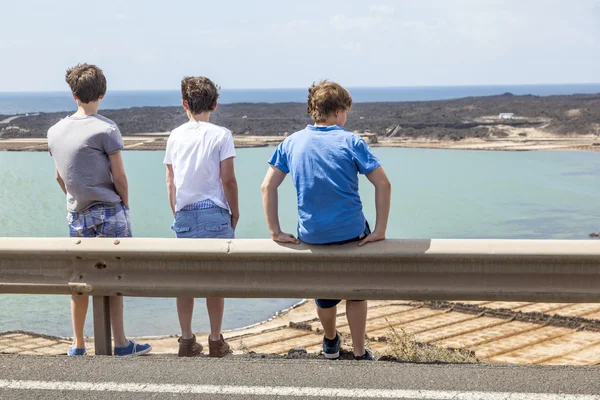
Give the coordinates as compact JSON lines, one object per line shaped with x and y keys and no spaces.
{"x":209,"y":223}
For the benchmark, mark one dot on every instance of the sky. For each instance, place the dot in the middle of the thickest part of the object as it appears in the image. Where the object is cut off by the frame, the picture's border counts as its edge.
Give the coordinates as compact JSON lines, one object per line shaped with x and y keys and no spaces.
{"x":151,"y":44}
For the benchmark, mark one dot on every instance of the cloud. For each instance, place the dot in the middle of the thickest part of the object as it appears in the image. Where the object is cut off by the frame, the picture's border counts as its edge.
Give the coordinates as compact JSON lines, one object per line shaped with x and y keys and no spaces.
{"x":381,"y":9}
{"x":345,"y":22}
{"x":123,"y":17}
{"x":387,"y":42}
{"x":292,"y":26}
{"x":352,"y":46}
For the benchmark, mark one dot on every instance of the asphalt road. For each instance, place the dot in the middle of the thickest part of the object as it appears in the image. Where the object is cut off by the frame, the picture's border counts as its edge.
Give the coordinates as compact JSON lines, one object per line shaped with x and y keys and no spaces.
{"x":159,"y":377}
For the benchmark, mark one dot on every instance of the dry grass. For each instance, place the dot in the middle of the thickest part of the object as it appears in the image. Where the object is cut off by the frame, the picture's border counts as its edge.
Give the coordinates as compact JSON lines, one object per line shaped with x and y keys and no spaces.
{"x":243,"y":348}
{"x":402,"y":346}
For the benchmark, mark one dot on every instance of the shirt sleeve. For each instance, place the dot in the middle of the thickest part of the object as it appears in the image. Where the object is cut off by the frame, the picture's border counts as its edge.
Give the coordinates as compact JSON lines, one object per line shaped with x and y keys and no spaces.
{"x":227,"y":147}
{"x":279,"y":159}
{"x":49,"y":143}
{"x":363,"y":157}
{"x":113,"y":141}
{"x":168,"y":157}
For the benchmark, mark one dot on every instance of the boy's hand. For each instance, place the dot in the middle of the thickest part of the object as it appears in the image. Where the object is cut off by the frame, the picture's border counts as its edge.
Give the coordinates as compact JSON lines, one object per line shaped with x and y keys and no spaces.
{"x":373,"y":237}
{"x":234,"y":220}
{"x":283,"y":237}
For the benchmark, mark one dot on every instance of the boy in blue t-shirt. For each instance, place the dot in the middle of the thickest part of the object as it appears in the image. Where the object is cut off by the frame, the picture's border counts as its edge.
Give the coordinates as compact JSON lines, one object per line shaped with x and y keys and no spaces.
{"x":324,"y":160}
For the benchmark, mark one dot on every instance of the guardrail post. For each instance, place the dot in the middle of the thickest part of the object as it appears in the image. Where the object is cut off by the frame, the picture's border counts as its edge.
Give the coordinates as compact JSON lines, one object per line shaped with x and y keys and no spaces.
{"x":102,"y":334}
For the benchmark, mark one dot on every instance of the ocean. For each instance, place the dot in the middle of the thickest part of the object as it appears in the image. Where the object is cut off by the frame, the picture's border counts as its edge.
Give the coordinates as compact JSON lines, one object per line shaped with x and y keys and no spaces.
{"x":33,"y":102}
{"x":435,"y":194}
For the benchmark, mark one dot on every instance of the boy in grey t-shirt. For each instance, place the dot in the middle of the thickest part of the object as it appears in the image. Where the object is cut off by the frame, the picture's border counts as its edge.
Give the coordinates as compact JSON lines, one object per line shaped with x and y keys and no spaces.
{"x":86,"y":148}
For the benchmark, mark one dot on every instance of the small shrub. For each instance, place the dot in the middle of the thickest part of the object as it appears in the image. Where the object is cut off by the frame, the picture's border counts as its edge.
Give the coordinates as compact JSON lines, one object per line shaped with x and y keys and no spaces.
{"x":402,"y":346}
{"x":243,"y":348}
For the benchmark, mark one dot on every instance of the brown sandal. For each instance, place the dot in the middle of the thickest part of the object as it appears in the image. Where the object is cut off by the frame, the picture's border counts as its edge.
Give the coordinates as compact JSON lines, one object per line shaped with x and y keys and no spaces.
{"x":189,"y":347}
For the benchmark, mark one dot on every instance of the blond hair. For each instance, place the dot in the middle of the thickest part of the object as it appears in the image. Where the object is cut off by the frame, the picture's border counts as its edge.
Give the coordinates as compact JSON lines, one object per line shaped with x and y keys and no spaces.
{"x":325,"y":98}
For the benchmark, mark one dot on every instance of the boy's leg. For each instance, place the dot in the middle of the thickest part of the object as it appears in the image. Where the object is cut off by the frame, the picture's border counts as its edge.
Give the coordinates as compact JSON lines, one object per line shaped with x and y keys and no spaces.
{"x":327,"y":316}
{"x":327,"y":311}
{"x":184,"y":228}
{"x":115,"y":222}
{"x":185,"y":311}
{"x":215,"y":307}
{"x":188,"y":346}
{"x":116,"y":320}
{"x":218,"y":226}
{"x":79,"y":227}
{"x":79,"y":307}
{"x":356,"y":312}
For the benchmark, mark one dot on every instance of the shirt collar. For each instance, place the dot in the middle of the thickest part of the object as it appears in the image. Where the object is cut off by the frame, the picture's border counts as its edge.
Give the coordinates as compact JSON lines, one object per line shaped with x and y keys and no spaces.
{"x":324,"y":128}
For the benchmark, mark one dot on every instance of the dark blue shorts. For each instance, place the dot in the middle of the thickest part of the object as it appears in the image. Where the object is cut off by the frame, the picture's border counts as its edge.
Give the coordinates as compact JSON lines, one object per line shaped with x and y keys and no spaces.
{"x":328,"y":303}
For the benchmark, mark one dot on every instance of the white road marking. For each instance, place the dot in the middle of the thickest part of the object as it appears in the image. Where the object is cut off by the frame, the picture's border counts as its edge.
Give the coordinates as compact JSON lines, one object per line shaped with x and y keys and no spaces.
{"x":285,"y":391}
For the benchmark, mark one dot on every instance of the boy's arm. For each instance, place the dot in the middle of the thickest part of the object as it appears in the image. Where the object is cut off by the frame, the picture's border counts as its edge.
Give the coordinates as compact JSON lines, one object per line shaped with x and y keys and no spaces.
{"x":61,"y":182}
{"x":383,"y":194}
{"x":171,"y":189}
{"x":269,"y":187}
{"x":230,"y":188}
{"x":117,"y":169}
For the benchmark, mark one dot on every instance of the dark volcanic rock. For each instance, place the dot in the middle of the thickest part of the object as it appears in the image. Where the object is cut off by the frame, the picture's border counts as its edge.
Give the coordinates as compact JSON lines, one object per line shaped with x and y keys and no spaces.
{"x":446,"y":119}
{"x":298,"y":352}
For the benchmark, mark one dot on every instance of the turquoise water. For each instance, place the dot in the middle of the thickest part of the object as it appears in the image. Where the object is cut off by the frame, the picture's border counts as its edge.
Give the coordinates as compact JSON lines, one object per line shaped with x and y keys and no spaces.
{"x":436,"y":194}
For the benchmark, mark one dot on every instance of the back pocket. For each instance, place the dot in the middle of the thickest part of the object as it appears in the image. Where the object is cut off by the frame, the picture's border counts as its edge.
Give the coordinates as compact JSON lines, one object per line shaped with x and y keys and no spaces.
{"x":214,"y":227}
{"x":182,"y":223}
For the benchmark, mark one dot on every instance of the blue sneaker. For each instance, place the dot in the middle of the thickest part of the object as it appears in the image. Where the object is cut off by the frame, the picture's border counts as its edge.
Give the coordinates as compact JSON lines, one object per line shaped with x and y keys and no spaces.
{"x":366,"y":357}
{"x":132,"y":349}
{"x":76,"y":351}
{"x":331,"y":348}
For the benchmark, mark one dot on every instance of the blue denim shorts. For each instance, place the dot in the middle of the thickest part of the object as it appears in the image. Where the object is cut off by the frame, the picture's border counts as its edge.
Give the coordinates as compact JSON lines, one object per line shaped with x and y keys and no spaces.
{"x":100,"y":220}
{"x":209,"y":223}
{"x":329,"y":303}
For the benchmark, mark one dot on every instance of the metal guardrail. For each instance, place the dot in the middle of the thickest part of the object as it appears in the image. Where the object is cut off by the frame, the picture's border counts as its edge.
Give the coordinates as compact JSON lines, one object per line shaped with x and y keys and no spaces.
{"x":437,"y":269}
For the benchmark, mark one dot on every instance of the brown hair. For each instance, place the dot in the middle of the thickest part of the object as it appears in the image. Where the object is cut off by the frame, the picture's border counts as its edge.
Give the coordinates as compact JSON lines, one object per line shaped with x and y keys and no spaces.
{"x":325,"y":98}
{"x":199,"y":93}
{"x":87,"y":82}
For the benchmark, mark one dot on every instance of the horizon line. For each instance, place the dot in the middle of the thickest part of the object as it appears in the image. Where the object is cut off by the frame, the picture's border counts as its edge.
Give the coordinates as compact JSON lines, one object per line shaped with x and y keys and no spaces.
{"x":349,"y":87}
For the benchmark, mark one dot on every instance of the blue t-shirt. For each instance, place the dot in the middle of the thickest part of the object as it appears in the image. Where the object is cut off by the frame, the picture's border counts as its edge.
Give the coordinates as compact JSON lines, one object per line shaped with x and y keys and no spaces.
{"x":324,"y":162}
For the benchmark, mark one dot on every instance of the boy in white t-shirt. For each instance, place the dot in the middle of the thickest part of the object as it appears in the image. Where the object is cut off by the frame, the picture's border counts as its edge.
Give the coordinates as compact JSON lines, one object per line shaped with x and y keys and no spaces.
{"x":203,"y":194}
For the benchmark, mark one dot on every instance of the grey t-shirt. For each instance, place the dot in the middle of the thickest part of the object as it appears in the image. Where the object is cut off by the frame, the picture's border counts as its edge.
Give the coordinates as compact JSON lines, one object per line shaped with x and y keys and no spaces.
{"x":80,"y":148}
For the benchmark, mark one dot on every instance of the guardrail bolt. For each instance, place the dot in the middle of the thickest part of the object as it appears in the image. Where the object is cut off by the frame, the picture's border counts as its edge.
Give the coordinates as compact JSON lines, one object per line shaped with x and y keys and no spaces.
{"x":78,"y":242}
{"x":100,"y":265}
{"x":117,"y":242}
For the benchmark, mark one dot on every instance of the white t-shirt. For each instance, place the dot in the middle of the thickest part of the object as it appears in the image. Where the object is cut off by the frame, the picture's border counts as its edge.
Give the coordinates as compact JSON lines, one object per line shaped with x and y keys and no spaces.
{"x":195,"y":150}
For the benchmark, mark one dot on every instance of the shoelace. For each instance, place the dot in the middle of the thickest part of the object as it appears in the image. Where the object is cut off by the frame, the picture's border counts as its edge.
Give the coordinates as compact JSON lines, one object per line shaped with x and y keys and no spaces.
{"x":134,"y":347}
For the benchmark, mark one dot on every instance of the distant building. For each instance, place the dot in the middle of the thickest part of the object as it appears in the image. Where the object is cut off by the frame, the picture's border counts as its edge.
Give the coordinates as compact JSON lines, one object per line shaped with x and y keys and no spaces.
{"x":506,"y":116}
